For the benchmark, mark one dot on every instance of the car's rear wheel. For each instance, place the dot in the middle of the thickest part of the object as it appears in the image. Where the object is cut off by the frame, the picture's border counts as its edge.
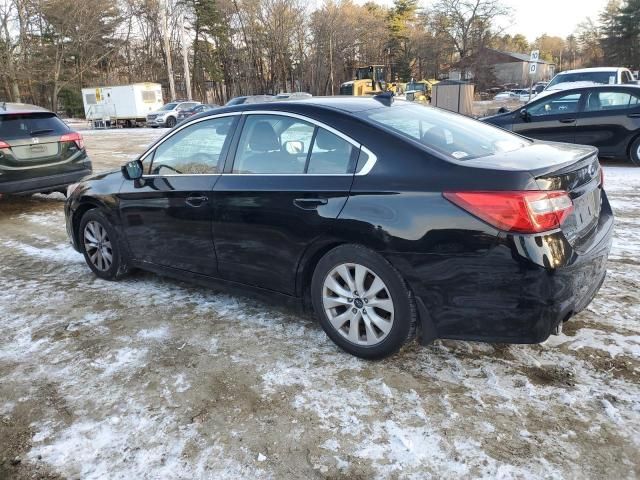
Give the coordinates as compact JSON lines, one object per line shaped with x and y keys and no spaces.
{"x":634,"y":152}
{"x":171,"y":122}
{"x":102,"y":250}
{"x":362,"y":302}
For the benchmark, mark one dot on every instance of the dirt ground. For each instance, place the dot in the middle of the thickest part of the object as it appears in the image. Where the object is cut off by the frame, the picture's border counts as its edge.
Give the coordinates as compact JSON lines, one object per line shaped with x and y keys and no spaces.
{"x":150,"y":378}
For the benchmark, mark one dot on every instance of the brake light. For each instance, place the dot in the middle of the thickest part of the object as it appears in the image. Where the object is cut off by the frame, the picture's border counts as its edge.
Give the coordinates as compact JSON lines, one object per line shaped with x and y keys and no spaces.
{"x":4,"y":144}
{"x":520,"y":211}
{"x":73,"y":137}
{"x":601,"y":177}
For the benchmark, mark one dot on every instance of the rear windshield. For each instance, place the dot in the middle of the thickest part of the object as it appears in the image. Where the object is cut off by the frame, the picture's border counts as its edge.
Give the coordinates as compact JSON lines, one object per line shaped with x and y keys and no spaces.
{"x":455,"y":136}
{"x":595,"y":77}
{"x":22,"y":125}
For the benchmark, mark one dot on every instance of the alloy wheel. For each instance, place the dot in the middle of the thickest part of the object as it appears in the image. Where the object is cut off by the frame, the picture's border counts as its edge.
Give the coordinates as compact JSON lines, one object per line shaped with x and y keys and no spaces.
{"x":98,"y":246}
{"x":358,"y":304}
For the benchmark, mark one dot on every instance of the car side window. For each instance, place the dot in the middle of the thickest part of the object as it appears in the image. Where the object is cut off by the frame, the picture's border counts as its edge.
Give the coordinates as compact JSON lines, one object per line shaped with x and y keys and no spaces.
{"x":603,"y":101}
{"x":196,"y":149}
{"x":274,"y":144}
{"x":556,"y":105}
{"x":331,"y":154}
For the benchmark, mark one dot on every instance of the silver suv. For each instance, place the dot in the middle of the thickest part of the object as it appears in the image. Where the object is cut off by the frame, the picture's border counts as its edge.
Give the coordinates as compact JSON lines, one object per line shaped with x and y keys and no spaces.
{"x":167,"y":116}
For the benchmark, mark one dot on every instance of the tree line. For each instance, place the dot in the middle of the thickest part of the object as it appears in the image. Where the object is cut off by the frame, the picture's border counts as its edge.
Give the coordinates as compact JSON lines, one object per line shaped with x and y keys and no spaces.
{"x":212,"y":50}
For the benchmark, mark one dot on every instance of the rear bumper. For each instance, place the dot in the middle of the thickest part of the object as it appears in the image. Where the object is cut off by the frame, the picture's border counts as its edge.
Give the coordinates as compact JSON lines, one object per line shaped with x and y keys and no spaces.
{"x":43,"y":184}
{"x":509,"y":295}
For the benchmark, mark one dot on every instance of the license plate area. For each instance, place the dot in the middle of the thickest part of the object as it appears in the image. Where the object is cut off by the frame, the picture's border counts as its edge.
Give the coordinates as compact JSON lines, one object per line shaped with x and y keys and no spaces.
{"x":586,"y":212}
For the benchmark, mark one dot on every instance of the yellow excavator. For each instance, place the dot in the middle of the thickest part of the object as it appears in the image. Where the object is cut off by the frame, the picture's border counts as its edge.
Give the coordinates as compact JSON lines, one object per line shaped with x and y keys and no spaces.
{"x":369,"y":80}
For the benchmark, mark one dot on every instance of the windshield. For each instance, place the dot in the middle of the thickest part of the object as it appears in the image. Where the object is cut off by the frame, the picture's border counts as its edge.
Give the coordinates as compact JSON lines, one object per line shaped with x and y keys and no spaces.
{"x":415,"y":86}
{"x":595,"y":77}
{"x":455,"y":136}
{"x":169,"y":106}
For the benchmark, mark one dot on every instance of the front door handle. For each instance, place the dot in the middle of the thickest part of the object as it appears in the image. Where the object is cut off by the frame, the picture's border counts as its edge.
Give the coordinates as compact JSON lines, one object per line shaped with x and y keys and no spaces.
{"x":634,"y":115}
{"x":196,"y":200}
{"x":309,"y":203}
{"x":567,"y":120}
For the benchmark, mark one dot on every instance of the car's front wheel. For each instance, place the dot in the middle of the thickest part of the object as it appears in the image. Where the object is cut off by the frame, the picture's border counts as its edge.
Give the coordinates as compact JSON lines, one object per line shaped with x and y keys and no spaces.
{"x":634,"y":152}
{"x":362,"y":302}
{"x":171,"y":122}
{"x":101,"y":248}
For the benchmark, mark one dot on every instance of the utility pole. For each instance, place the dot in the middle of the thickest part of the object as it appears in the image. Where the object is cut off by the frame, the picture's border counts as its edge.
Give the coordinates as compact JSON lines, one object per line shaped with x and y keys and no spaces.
{"x":164,"y":19}
{"x":185,"y":57}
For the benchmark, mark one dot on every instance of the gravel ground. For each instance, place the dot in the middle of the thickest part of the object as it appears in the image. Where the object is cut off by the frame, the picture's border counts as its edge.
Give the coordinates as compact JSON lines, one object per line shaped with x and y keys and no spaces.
{"x":153,"y":378}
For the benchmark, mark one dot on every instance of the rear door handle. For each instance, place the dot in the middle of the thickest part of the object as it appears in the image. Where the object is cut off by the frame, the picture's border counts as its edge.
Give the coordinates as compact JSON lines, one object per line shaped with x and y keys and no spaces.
{"x":567,"y":120}
{"x":634,"y":115}
{"x":196,"y":200}
{"x":309,"y":203}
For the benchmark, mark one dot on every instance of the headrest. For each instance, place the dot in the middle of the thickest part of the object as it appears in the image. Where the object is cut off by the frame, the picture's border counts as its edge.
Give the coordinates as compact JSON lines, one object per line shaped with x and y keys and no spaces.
{"x":263,"y":138}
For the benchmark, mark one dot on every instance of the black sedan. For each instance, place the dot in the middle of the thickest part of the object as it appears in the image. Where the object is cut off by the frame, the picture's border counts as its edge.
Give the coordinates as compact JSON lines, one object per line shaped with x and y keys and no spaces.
{"x":385,"y":217}
{"x":607,"y":117}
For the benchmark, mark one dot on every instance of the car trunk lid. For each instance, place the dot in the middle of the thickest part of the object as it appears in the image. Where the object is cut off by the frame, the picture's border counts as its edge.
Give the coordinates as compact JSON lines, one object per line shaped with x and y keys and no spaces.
{"x":558,"y":167}
{"x":583,"y":181}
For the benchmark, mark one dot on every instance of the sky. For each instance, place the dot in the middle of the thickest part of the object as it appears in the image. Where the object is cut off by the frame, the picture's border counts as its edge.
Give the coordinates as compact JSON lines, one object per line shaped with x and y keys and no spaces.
{"x":532,"y":18}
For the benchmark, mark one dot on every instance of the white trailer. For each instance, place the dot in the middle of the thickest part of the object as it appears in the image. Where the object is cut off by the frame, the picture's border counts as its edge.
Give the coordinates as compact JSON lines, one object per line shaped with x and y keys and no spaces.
{"x":125,"y":105}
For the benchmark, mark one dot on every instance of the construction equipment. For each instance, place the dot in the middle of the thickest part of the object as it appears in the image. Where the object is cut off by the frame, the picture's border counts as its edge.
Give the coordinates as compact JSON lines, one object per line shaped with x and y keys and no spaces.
{"x":419,"y":91}
{"x":369,"y":80}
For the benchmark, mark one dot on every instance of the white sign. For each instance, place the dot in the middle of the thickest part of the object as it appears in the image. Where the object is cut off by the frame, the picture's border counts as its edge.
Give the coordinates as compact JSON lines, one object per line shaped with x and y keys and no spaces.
{"x":533,"y":67}
{"x":535,"y":55}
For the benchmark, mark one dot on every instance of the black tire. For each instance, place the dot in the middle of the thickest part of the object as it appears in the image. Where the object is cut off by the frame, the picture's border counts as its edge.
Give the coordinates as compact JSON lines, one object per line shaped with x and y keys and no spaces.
{"x":119,"y":265}
{"x":403,"y":326}
{"x":171,"y":122}
{"x":634,"y":152}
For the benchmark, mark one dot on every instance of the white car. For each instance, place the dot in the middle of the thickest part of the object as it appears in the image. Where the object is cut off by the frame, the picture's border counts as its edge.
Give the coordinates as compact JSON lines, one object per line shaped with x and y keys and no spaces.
{"x":587,"y":77}
{"x":167,"y":116}
{"x":507,"y":96}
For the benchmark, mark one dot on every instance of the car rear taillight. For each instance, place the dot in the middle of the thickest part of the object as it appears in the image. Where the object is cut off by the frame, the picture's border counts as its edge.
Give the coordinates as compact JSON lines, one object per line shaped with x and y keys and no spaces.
{"x":521,"y":211}
{"x":4,"y":144}
{"x":73,"y":137}
{"x":601,"y":177}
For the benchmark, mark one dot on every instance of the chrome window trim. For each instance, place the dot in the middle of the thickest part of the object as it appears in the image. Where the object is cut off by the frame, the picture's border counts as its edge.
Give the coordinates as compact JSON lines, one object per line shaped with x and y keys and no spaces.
{"x":366,"y":168}
{"x":182,"y":127}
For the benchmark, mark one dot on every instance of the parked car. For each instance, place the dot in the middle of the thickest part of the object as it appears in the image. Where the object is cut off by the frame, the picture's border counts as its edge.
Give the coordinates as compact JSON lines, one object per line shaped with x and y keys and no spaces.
{"x":606,"y":116}
{"x":203,"y":107}
{"x":250,"y":99}
{"x":587,"y":77}
{"x":507,"y":96}
{"x":38,"y":151}
{"x":383,"y":215}
{"x":292,"y":96}
{"x":524,"y":95}
{"x":167,"y":116}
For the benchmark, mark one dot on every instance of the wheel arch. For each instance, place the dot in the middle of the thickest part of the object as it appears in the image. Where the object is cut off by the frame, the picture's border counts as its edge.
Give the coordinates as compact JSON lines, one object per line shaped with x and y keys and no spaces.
{"x":86,"y":204}
{"x":633,"y":140}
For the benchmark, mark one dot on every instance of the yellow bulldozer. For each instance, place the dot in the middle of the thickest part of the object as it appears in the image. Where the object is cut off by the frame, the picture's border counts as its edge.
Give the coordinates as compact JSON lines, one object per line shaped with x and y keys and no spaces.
{"x":368,"y":80}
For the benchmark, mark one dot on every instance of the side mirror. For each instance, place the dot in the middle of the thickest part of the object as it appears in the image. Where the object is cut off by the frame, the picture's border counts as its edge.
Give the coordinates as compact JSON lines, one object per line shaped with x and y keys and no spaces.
{"x":132,"y":170}
{"x":294,"y":147}
{"x":524,"y":114}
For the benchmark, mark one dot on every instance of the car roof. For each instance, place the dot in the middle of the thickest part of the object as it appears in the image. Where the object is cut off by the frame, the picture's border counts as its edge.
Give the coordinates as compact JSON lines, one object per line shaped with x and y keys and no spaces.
{"x":594,"y":69}
{"x":11,"y":107}
{"x":342,"y":104}
{"x":623,"y":87}
{"x":345,"y":103}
